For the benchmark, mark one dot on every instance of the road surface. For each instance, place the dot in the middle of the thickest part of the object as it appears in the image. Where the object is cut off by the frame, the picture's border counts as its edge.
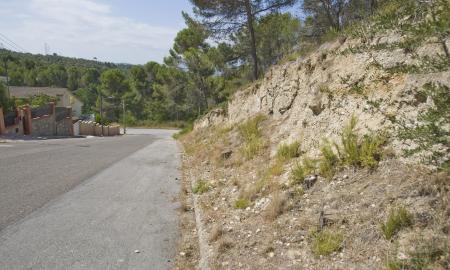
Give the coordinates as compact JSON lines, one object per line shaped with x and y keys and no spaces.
{"x":95,"y":203}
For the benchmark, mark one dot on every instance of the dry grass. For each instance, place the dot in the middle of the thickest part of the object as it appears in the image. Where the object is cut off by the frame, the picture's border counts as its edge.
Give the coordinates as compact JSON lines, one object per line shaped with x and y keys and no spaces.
{"x":276,"y":206}
{"x":216,"y":233}
{"x":224,"y":244}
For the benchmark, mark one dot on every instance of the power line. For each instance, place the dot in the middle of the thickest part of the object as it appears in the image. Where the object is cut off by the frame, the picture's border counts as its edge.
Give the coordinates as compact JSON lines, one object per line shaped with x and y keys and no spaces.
{"x":12,"y":43}
{"x":7,"y":45}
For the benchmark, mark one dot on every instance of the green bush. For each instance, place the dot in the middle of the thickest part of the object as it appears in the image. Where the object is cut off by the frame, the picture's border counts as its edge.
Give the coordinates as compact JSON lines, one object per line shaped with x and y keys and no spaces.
{"x":398,"y":218}
{"x":286,"y":152}
{"x":200,"y":187}
{"x":326,"y":242}
{"x":241,"y":203}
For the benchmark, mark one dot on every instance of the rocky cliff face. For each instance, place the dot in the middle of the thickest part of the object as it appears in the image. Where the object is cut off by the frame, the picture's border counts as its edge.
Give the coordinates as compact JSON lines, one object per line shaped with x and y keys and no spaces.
{"x":313,"y":97}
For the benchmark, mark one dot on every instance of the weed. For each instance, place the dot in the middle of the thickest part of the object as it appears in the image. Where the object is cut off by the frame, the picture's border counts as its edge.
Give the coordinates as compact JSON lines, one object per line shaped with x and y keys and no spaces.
{"x":357,"y":152}
{"x":302,"y":169}
{"x":371,"y":151}
{"x":276,"y":169}
{"x":252,"y":148}
{"x":398,"y":218}
{"x":394,"y":265}
{"x":298,"y":174}
{"x":250,"y":129}
{"x":276,"y":206}
{"x":188,"y":128}
{"x":200,"y":187}
{"x":241,"y":203}
{"x":349,"y":140}
{"x":224,"y":245}
{"x":326,"y":242}
{"x":430,"y":255}
{"x":357,"y":89}
{"x":216,"y":233}
{"x":328,"y":162}
{"x":251,"y":134}
{"x":288,"y":151}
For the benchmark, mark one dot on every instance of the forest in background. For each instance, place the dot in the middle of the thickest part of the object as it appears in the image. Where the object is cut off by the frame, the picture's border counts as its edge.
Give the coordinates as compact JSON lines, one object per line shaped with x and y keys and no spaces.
{"x":225,"y":45}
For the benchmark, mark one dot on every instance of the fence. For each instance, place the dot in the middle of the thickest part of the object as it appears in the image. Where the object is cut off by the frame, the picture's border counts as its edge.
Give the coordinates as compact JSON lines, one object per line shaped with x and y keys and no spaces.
{"x":89,"y":128}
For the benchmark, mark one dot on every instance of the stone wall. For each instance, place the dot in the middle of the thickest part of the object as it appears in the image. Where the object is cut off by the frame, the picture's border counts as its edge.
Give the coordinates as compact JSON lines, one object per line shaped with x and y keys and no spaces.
{"x":88,"y":128}
{"x":44,"y":126}
{"x":64,"y":127}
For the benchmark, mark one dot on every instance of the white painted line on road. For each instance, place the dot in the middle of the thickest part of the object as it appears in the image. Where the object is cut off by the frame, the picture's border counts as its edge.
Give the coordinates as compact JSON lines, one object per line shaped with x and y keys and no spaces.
{"x":6,"y":145}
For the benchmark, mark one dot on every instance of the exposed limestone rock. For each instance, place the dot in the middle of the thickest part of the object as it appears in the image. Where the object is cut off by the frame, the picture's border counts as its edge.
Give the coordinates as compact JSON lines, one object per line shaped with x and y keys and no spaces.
{"x":324,"y":90}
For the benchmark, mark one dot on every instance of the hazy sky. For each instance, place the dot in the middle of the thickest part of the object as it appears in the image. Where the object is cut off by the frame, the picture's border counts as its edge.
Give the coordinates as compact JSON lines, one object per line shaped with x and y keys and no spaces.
{"x":127,"y":31}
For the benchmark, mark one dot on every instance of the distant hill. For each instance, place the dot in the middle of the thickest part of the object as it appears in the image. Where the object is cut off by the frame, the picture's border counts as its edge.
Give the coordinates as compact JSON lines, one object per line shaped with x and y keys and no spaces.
{"x":65,"y":61}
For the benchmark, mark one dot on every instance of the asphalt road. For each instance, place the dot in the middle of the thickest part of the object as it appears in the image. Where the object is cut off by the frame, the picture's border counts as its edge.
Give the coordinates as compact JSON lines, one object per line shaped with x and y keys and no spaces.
{"x":95,"y":203}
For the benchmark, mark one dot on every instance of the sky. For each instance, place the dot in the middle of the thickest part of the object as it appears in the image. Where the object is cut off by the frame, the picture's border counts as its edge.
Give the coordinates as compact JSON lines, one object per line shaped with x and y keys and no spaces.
{"x":119,"y":31}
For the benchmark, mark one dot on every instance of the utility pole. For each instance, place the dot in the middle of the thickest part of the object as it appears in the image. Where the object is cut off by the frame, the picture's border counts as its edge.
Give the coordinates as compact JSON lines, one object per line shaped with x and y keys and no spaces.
{"x":123,"y":117}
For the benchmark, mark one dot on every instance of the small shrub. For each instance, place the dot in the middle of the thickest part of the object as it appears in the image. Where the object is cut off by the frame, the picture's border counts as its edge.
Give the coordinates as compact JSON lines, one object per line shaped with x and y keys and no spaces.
{"x":298,"y":174}
{"x":328,"y":162}
{"x":251,"y":134}
{"x":200,"y":187}
{"x":253,"y":148}
{"x":241,"y":203}
{"x":250,"y":129}
{"x":371,"y":151}
{"x":360,"y":152}
{"x":276,"y":169}
{"x":288,"y":151}
{"x":349,"y":154}
{"x":397,"y":219}
{"x":326,"y":242}
{"x":276,"y":207}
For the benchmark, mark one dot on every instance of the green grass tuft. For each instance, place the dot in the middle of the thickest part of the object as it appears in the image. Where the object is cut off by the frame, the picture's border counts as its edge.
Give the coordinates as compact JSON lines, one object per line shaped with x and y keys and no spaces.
{"x":301,"y":169}
{"x":398,"y":218}
{"x":200,"y":187}
{"x":326,"y":242}
{"x":288,"y":151}
{"x":252,"y":136}
{"x":241,"y":203}
{"x":328,"y":162}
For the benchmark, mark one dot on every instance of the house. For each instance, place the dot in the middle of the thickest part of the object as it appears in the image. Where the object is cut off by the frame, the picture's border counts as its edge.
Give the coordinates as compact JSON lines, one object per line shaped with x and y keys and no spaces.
{"x":64,"y":97}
